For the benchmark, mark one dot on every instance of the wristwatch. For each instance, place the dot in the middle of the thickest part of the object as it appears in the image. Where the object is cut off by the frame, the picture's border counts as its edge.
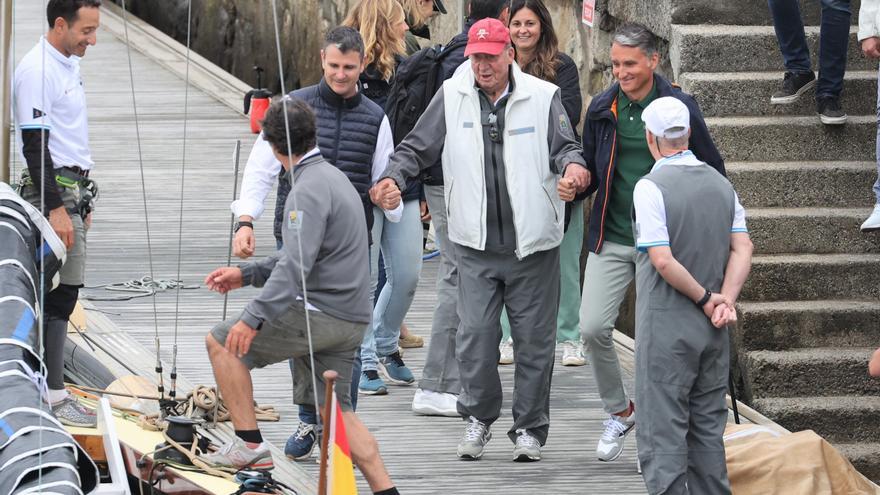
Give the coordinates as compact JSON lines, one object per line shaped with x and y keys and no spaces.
{"x":241,"y":224}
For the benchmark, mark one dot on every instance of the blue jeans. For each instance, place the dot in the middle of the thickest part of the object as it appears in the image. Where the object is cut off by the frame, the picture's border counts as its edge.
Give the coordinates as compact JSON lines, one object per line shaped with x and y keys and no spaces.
{"x":833,"y":41}
{"x":307,"y":413}
{"x":877,"y":182}
{"x":401,"y":245}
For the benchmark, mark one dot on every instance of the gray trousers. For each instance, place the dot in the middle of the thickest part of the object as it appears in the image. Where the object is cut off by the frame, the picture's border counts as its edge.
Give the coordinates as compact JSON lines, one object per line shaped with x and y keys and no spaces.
{"x":440,"y":373}
{"x":606,"y":278}
{"x":681,"y":378}
{"x":529,"y":290}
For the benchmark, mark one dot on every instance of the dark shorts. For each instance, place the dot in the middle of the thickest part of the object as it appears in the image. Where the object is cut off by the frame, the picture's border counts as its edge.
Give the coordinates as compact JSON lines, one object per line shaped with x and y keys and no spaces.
{"x":334,"y":341}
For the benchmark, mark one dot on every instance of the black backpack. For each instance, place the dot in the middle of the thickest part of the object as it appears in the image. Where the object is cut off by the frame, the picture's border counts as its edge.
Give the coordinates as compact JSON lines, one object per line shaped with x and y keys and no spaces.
{"x":416,"y":80}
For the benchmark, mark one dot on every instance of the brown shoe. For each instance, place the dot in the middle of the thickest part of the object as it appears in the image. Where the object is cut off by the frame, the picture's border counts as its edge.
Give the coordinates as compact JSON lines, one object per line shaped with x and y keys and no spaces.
{"x":411,"y":341}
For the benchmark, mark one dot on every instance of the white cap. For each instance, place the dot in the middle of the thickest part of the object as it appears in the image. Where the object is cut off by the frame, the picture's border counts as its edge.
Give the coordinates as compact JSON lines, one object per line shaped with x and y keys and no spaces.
{"x":667,"y":117}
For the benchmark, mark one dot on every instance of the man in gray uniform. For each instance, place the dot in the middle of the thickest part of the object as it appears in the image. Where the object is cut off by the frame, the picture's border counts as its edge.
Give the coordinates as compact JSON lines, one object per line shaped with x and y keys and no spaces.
{"x":505,"y":138}
{"x":694,"y":256}
{"x":325,"y":241}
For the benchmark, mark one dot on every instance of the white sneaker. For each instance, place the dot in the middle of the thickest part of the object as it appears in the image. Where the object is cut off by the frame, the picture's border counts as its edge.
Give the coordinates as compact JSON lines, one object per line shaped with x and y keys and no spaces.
{"x":573,"y":353}
{"x":236,"y":454}
{"x":527,"y":449}
{"x":873,"y":222}
{"x":431,"y":403}
{"x":611,"y":443}
{"x":476,"y":436}
{"x":506,"y":348}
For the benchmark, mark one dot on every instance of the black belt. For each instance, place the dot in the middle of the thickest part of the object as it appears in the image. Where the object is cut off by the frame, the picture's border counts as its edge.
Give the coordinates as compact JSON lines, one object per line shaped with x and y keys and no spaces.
{"x":77,"y":170}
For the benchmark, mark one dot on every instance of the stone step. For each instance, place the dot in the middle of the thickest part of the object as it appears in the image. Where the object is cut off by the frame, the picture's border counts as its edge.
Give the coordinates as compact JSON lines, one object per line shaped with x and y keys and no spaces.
{"x":793,"y":138}
{"x":842,"y":419}
{"x":709,"y":48}
{"x":864,"y":456}
{"x":790,"y":277}
{"x":811,"y":230}
{"x":782,"y":325}
{"x":802,"y":184}
{"x":818,"y":371}
{"x":741,"y":12}
{"x":748,"y":93}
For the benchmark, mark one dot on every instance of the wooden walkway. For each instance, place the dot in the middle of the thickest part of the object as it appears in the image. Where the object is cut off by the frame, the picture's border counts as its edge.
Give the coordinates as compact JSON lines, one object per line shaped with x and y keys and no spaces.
{"x":419,"y":451}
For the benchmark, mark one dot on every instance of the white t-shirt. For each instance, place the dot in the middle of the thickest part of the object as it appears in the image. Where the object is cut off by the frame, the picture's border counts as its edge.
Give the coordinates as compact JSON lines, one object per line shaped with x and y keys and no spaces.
{"x":48,"y":93}
{"x":651,"y":210}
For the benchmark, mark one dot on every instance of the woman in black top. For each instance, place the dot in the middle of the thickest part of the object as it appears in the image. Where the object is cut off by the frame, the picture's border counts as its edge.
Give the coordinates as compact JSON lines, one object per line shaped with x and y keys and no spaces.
{"x":537,"y":53}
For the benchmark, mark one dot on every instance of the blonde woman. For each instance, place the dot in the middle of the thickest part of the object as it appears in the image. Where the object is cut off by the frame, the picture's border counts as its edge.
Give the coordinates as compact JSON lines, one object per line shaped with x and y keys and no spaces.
{"x":382,"y":24}
{"x":418,"y":13}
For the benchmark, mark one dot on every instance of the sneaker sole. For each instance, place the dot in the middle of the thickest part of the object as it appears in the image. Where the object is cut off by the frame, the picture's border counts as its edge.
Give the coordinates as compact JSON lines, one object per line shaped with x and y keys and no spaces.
{"x":525,"y":458}
{"x":265,"y":466}
{"x":788,"y":100}
{"x":390,"y":379}
{"x":67,"y":422}
{"x":302,"y":457}
{"x":870,"y":229}
{"x":832,"y":120}
{"x":469,"y":457}
{"x":505,"y":361}
{"x":574,"y":362}
{"x":381,"y":391}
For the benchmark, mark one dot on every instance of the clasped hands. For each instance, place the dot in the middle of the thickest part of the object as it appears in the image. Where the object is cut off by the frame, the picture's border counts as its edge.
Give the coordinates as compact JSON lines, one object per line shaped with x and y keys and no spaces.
{"x":385,"y":194}
{"x":720,"y":310}
{"x":575,"y":180}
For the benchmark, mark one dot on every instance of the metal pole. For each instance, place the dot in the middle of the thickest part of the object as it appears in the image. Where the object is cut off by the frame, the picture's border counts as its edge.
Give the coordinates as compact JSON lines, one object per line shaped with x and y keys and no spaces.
{"x":6,"y":81}
{"x":235,"y":158}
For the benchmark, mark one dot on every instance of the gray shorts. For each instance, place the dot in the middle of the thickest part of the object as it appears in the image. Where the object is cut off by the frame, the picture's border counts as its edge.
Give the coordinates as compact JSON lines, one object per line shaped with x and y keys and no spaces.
{"x":334,"y":341}
{"x":73,"y":272}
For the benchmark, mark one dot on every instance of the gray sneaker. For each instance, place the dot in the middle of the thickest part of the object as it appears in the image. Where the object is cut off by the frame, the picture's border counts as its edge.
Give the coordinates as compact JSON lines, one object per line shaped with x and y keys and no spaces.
{"x":71,"y":413}
{"x":236,"y":454}
{"x":527,"y":449}
{"x":476,"y":436}
{"x":611,"y":443}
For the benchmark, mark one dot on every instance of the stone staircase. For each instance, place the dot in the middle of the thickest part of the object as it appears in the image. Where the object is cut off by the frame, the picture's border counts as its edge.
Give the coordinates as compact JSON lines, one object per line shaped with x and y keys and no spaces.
{"x":810,"y":313}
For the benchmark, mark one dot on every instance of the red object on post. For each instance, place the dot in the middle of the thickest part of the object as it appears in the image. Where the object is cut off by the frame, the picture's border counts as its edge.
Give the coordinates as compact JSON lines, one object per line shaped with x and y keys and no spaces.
{"x":256,"y":102}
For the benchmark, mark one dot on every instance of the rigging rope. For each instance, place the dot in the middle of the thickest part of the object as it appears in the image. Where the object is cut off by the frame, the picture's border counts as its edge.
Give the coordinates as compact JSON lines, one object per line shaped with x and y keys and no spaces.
{"x":161,"y":386}
{"x":173,"y":390}
{"x":302,"y":276}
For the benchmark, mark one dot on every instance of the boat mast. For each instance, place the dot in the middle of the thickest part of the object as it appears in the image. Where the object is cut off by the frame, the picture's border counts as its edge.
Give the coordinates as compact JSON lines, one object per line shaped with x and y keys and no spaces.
{"x":5,"y":90}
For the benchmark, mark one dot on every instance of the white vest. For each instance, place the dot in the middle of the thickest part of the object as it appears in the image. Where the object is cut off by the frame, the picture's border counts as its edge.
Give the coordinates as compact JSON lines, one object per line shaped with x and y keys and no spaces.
{"x":538,"y":213}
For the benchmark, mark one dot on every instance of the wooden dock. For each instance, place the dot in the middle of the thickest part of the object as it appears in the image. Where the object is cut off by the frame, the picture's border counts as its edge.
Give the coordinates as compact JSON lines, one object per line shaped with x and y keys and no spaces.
{"x":419,"y":451}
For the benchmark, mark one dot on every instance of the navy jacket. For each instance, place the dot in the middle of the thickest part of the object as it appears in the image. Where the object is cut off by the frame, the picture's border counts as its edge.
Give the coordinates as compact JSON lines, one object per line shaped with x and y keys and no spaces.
{"x":600,"y":148}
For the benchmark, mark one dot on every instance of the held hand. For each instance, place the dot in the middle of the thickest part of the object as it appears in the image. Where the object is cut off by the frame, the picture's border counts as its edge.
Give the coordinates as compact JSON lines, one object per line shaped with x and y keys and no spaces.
{"x":714,"y":300}
{"x":423,"y":211}
{"x":88,"y":221}
{"x":224,"y":279}
{"x":243,"y":244}
{"x":871,"y":47}
{"x":723,"y":315}
{"x":61,"y":224}
{"x":239,"y":338}
{"x":566,"y":189}
{"x":579,"y":174}
{"x":385,"y":194}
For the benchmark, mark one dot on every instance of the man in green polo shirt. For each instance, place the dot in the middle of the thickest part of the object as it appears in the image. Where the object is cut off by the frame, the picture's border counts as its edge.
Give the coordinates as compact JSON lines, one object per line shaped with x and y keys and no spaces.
{"x":617,"y":156}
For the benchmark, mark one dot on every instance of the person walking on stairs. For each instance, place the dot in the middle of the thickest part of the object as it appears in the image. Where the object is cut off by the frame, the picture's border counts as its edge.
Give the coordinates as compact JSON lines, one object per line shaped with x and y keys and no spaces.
{"x":53,"y":132}
{"x":869,"y":37}
{"x":833,"y":44}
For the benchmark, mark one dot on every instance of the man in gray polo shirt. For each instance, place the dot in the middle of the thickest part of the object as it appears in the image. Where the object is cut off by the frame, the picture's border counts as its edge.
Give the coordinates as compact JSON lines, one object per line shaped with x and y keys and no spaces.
{"x":325,"y":241}
{"x":694,"y":255}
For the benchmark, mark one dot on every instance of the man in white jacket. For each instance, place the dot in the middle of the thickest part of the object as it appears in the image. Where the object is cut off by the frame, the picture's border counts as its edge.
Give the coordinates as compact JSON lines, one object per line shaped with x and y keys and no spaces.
{"x":869,"y":37}
{"x":504,"y":138}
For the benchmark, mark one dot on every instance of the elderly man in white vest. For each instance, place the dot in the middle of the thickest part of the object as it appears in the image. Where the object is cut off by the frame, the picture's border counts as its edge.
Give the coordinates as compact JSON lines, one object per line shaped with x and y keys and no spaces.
{"x":504,"y":139}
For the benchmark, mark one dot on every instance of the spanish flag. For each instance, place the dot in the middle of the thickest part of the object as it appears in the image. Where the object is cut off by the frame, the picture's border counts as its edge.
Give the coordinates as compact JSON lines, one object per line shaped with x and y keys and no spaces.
{"x":341,"y":473}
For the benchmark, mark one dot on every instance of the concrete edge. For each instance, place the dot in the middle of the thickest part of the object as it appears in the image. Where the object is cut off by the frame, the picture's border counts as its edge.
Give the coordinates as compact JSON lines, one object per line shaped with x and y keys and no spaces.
{"x":170,"y":54}
{"x":628,"y":346}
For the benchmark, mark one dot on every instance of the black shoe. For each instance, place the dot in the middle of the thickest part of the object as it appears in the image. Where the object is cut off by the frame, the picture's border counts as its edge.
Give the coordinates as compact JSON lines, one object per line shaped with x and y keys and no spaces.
{"x":793,"y":86}
{"x":829,"y":110}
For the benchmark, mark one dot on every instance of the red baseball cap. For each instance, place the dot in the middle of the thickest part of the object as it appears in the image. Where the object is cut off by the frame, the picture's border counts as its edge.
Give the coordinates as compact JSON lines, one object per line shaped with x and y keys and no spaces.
{"x":488,"y":36}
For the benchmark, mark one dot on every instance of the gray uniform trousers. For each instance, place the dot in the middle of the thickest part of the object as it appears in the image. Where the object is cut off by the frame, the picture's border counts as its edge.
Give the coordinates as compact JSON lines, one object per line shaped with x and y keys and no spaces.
{"x":682,"y":361}
{"x":440,"y":373}
{"x":529,"y":289}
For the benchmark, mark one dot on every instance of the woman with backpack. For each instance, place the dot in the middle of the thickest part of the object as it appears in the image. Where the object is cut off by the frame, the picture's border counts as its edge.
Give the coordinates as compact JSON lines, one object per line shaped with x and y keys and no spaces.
{"x":382,"y":24}
{"x":418,"y":13}
{"x":537,"y":53}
